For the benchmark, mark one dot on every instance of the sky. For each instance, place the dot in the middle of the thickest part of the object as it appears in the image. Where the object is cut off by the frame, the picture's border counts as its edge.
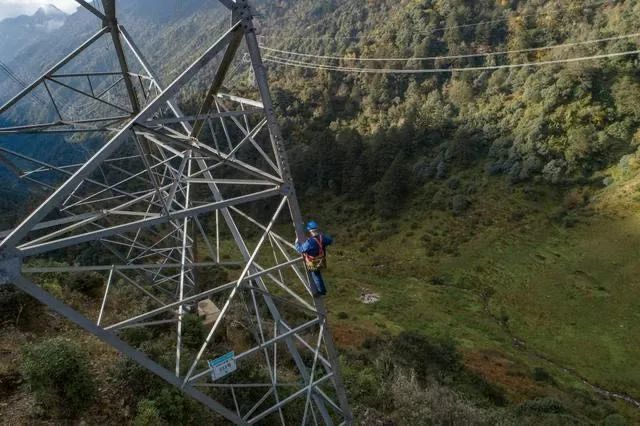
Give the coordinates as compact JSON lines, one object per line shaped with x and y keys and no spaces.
{"x":9,"y":8}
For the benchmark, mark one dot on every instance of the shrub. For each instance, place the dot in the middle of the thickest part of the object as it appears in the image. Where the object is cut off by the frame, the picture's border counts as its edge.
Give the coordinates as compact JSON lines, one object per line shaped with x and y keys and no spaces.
{"x":134,"y":378}
{"x":136,"y":336}
{"x":434,"y":404}
{"x":176,"y":408}
{"x":86,"y":283}
{"x":542,"y":375}
{"x":147,"y":414}
{"x":59,"y":375}
{"x":615,"y":420}
{"x":459,"y":204}
{"x":193,"y":331}
{"x":541,"y":405}
{"x":428,"y":357}
{"x":211,"y":276}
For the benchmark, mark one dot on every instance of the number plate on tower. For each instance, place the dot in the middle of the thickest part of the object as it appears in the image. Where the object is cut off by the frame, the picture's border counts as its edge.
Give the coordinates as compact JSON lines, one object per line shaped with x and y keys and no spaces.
{"x":221,"y":366}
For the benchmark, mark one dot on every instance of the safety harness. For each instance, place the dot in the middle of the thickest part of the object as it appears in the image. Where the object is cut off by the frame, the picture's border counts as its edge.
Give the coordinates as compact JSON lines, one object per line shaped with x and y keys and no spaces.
{"x":315,"y":263}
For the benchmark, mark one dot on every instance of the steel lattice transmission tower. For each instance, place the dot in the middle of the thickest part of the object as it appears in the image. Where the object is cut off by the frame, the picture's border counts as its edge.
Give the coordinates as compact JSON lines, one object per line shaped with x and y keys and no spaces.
{"x":167,"y":204}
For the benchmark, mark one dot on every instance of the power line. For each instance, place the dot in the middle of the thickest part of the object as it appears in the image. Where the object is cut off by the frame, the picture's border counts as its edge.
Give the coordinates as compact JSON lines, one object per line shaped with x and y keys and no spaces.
{"x":19,"y":81}
{"x":434,"y":30}
{"x":471,"y":55}
{"x":308,"y":65}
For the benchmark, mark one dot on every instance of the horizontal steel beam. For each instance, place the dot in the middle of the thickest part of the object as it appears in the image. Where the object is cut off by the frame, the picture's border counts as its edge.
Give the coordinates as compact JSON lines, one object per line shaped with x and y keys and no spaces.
{"x":264,"y":345}
{"x":202,"y":295}
{"x":27,"y":250}
{"x":56,"y":222}
{"x":203,"y":116}
{"x":103,"y":268}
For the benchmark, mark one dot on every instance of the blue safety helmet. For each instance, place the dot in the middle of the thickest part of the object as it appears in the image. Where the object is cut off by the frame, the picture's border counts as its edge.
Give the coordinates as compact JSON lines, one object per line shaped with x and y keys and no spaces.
{"x":312,"y":225}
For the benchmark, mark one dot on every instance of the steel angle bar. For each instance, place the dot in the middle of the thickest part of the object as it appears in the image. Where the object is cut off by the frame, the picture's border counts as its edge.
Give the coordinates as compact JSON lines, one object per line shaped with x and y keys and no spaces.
{"x":173,"y":120}
{"x":282,"y":161}
{"x":36,"y":127}
{"x":87,"y":94}
{"x":155,"y":79}
{"x":144,"y":223}
{"x":290,"y":398}
{"x":301,"y":303}
{"x":245,"y":385}
{"x":224,"y":128}
{"x":87,"y":74}
{"x":56,"y":222}
{"x":98,"y":268}
{"x":204,"y":149}
{"x":313,"y":372}
{"x":143,"y":147}
{"x":229,"y":4}
{"x":142,"y":289}
{"x":108,"y":89}
{"x":325,"y":361}
{"x":261,"y":339}
{"x":151,"y":323}
{"x":91,"y":9}
{"x":212,"y":253}
{"x":183,"y":269}
{"x":264,"y":345}
{"x":178,"y":176}
{"x":156,"y":140}
{"x":255,"y":144}
{"x":241,"y":100}
{"x":112,"y":340}
{"x":218,"y":79}
{"x":106,"y":294}
{"x":257,"y":405}
{"x":111,"y":146}
{"x":230,"y":182}
{"x":51,"y":98}
{"x":302,"y":276}
{"x":261,"y":226}
{"x":132,"y":213}
{"x":97,"y":216}
{"x":109,"y":7}
{"x":61,"y":169}
{"x":53,"y":69}
{"x":194,"y":298}
{"x":239,"y":282}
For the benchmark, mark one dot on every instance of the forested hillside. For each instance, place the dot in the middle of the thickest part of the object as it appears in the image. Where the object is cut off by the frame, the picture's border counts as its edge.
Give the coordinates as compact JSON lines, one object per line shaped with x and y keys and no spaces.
{"x":492,"y":212}
{"x":558,"y":124}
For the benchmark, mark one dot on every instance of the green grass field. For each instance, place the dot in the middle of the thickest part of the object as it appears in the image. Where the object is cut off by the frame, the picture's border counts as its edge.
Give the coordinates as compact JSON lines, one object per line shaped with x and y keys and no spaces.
{"x":507,"y":269}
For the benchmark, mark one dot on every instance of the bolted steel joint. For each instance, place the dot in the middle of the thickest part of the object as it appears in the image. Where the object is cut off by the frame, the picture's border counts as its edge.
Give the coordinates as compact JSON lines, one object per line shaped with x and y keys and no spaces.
{"x":286,"y":189}
{"x":9,"y":268}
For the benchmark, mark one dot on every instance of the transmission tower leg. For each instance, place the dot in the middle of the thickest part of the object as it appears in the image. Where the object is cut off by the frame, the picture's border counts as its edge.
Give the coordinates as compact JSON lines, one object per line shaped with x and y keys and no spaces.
{"x":281,"y":156}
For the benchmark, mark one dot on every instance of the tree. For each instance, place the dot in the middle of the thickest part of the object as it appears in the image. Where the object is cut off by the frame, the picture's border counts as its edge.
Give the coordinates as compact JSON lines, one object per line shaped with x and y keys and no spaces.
{"x":390,"y":192}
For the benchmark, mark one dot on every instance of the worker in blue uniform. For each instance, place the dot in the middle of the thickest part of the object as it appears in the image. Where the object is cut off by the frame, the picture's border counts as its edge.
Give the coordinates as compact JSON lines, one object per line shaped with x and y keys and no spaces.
{"x":315,"y":256}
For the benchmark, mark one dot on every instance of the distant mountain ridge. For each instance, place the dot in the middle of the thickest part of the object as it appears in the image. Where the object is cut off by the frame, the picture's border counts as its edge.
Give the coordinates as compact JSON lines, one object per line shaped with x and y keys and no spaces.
{"x":26,"y":29}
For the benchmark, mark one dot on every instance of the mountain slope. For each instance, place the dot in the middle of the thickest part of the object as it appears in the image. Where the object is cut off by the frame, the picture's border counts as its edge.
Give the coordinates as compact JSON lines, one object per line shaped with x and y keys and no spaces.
{"x":473,"y":204}
{"x":23,"y":30}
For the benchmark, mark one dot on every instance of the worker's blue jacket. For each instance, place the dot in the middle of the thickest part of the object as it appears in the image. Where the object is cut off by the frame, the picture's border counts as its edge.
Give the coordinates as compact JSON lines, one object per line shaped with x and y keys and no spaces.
{"x":311,"y":247}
